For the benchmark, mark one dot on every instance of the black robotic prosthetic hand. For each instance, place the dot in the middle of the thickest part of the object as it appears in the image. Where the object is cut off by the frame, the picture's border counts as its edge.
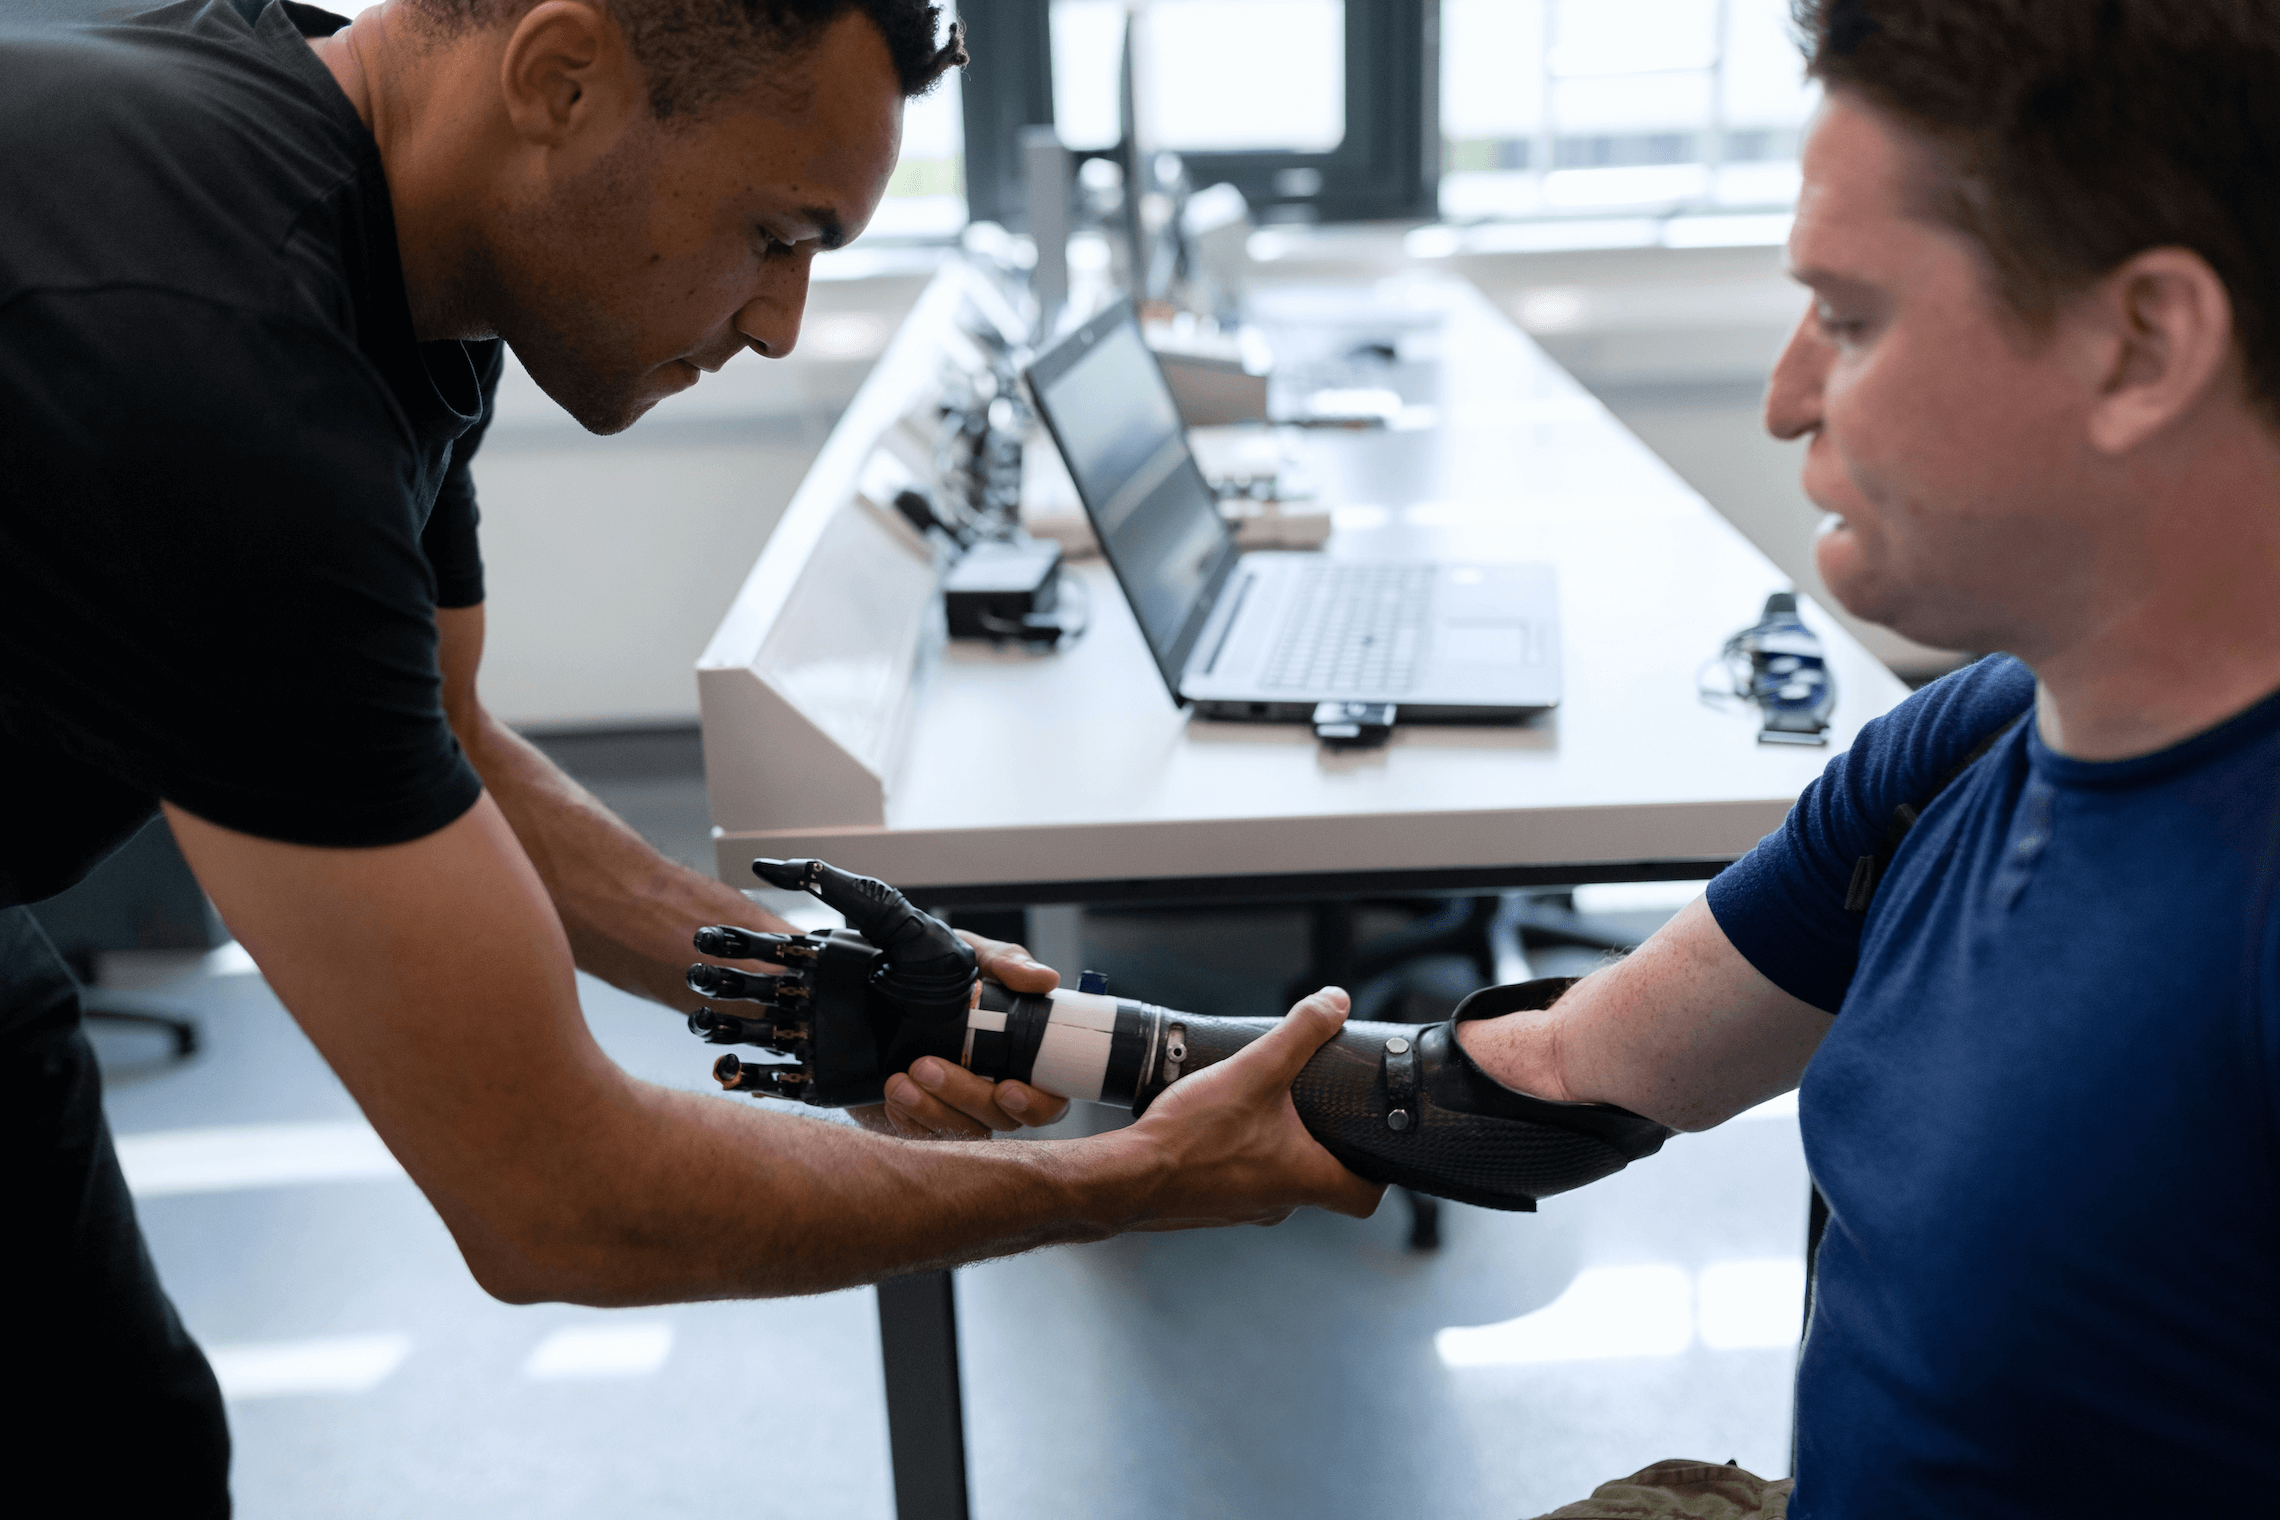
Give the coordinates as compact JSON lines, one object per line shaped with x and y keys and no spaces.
{"x":852,"y":1006}
{"x":1395,"y":1103}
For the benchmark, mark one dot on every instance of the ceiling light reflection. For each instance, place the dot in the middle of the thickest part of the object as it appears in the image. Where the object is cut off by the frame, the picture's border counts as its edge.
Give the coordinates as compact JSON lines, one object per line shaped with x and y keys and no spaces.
{"x":602,"y":1351}
{"x":328,"y":1364}
{"x":1659,"y":1309}
{"x":1606,"y":1312}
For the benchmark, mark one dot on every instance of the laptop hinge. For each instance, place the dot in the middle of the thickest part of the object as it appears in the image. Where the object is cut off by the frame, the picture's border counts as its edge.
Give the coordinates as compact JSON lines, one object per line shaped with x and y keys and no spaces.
{"x":1227,"y":629}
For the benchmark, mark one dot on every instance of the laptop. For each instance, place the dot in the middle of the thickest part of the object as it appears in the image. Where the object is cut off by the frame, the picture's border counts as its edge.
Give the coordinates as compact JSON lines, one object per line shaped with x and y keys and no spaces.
{"x":1270,"y":635}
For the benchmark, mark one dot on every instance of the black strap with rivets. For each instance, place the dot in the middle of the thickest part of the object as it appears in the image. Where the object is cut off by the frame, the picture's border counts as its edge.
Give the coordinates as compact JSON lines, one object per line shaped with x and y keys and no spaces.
{"x":1400,"y":1084}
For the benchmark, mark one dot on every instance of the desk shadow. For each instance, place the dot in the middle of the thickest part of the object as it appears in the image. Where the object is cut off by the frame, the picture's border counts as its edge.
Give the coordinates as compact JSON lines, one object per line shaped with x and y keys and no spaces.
{"x":993,"y":652}
{"x":1538,"y":735}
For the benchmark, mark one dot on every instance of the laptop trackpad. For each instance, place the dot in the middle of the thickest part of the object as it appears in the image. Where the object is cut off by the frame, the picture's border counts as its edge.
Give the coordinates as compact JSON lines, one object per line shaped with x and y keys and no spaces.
{"x":1482,"y":643}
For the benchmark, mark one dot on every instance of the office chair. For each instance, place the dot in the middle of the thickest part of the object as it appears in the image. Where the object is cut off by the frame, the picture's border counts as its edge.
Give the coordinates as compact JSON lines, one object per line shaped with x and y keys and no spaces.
{"x":142,"y":898}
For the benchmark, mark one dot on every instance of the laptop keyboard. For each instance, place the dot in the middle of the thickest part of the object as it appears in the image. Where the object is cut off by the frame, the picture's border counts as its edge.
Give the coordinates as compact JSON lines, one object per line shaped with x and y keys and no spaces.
{"x":1353,"y":626}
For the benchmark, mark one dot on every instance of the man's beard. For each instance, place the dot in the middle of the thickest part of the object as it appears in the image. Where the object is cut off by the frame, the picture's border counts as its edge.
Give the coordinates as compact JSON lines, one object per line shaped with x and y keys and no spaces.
{"x":581,"y":359}
{"x":556,"y":316}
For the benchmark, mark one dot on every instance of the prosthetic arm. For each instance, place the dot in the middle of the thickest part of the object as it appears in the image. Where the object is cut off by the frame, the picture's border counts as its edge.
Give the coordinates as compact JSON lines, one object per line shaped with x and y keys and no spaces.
{"x":1395,"y":1103}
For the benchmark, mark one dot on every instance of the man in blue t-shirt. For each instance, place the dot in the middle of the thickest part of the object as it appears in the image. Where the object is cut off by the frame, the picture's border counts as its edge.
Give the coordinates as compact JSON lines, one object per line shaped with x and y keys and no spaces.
{"x":2039,"y":380}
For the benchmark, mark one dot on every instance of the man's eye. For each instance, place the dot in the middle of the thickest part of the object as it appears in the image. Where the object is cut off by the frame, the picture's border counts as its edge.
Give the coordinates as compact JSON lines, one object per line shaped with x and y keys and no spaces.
{"x":1840,"y":329}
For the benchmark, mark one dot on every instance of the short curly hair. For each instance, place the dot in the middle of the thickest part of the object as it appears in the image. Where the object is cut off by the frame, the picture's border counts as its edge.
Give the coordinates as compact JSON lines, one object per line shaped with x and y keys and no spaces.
{"x":2071,"y":136}
{"x":696,"y":53}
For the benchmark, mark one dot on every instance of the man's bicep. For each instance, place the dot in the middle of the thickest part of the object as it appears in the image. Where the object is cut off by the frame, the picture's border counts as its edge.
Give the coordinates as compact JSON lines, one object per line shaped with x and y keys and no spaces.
{"x":1684,"y":1030}
{"x":434,"y":977}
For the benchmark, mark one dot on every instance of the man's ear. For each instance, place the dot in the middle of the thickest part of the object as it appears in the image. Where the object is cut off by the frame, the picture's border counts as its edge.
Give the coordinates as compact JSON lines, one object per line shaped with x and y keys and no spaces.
{"x":567,"y":71}
{"x":2168,"y":331}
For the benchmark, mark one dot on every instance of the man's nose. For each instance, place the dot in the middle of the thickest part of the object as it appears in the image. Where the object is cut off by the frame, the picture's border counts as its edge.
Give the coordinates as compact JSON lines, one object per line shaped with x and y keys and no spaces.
{"x":770,"y":321}
{"x":1793,"y":398}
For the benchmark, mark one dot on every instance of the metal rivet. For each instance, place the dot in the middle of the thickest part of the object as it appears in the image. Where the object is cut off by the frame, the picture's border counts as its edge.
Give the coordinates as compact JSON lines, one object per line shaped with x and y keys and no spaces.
{"x":1398,"y":1119}
{"x":1397,"y":1046}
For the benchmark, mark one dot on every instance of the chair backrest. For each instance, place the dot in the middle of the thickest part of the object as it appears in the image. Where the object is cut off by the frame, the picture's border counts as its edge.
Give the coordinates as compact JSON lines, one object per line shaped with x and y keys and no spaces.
{"x":142,"y":898}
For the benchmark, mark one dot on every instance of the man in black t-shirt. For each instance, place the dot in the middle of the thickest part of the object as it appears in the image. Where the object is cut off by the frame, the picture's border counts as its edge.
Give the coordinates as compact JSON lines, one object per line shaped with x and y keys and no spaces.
{"x":256,"y":266}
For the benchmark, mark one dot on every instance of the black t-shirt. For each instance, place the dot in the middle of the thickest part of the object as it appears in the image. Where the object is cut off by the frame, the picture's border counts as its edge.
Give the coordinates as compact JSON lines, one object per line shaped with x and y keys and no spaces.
{"x":233,"y":486}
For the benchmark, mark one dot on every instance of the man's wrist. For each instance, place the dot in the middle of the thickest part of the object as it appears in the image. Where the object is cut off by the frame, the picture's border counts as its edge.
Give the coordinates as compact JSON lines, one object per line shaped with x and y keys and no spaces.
{"x":1115,"y":1179}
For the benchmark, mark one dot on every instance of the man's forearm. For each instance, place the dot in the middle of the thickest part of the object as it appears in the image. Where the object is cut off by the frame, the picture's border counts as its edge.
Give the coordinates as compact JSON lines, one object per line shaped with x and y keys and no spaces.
{"x":628,"y":910}
{"x":683,"y":1196}
{"x":690,"y":1197}
{"x":1684,"y":1030}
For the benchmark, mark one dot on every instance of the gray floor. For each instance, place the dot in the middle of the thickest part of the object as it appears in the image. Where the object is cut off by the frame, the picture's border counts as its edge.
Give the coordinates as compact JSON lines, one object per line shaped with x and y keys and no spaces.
{"x":1292,"y":1371}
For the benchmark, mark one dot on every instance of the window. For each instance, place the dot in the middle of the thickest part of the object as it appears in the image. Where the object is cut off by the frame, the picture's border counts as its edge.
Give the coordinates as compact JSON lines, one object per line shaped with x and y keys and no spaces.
{"x":1314,"y":109}
{"x":1087,"y":41}
{"x":926,"y":198}
{"x":1210,"y":75}
{"x":1550,"y":112}
{"x":1578,"y":108}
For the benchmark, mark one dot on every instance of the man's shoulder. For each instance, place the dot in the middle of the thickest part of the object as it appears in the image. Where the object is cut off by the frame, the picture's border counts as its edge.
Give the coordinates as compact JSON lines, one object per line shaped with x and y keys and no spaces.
{"x":174,"y":148}
{"x":1787,"y":905}
{"x":1906,"y":755}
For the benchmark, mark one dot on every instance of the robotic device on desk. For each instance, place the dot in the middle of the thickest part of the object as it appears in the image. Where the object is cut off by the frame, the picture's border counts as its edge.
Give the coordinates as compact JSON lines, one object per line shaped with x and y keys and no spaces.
{"x":1777,"y":664}
{"x":998,"y":585}
{"x":1396,"y":1103}
{"x":1009,"y":589}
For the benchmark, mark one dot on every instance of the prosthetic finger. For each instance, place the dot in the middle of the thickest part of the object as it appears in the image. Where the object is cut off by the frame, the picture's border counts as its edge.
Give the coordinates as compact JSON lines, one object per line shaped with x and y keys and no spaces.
{"x":712,"y":981}
{"x":717,"y":1028}
{"x":733,"y":944}
{"x":927,"y":968}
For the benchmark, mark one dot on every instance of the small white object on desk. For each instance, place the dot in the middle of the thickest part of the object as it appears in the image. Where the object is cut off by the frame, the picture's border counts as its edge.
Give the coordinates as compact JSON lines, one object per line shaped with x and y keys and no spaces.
{"x":1273,"y":504}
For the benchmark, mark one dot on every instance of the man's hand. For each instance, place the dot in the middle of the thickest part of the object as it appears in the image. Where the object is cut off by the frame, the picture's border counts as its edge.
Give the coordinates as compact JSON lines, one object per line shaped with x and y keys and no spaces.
{"x":938,"y":1100}
{"x":1229,"y":1140}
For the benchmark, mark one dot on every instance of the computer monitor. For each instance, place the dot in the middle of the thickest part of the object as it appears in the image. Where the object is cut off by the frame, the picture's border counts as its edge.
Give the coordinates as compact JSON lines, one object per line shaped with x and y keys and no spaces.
{"x":1104,"y":397}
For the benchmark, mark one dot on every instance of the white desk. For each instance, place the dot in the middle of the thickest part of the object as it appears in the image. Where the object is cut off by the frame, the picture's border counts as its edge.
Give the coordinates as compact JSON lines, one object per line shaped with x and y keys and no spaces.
{"x":1072,"y":777}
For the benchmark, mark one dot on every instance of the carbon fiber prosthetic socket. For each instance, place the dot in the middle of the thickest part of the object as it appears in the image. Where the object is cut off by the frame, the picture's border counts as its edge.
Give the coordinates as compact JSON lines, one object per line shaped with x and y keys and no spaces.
{"x":1397,"y":1103}
{"x":1400,"y":1103}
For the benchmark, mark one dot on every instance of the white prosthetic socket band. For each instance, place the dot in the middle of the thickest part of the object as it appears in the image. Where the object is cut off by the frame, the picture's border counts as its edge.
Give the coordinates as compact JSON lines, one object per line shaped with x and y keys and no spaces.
{"x":1080,"y":1045}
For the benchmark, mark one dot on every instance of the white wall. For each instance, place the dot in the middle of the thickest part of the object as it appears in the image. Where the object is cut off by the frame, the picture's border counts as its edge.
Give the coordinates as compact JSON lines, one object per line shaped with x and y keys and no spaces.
{"x":609,"y":565}
{"x":610,"y":560}
{"x":1678,"y":343}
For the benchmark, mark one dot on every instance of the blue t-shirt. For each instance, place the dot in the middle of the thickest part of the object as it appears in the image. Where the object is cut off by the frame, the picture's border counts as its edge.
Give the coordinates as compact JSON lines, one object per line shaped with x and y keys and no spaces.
{"x":2046,"y":1118}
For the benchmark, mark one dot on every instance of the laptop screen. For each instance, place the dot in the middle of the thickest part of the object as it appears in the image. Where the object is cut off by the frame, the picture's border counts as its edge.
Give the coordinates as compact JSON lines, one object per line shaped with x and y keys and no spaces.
{"x":1112,"y":415}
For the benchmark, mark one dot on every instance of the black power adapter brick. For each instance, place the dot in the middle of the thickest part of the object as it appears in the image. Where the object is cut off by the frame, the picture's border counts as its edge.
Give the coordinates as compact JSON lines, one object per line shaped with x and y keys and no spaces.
{"x":1001,"y":589}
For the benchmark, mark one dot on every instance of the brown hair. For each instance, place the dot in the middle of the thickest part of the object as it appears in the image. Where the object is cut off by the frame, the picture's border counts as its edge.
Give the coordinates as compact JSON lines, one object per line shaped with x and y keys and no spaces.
{"x":2073,"y":134}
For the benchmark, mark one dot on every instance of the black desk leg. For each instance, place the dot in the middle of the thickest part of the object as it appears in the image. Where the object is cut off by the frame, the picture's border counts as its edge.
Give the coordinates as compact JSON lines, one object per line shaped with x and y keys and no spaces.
{"x":926,"y":1419}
